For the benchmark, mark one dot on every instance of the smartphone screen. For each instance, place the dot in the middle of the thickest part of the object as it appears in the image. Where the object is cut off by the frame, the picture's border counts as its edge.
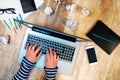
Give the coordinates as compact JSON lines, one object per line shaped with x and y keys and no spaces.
{"x":91,"y":55}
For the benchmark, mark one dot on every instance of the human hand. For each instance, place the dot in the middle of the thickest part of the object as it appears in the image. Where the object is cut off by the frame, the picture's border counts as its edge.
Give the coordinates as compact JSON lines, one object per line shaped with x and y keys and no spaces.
{"x":31,"y":54}
{"x":51,"y":59}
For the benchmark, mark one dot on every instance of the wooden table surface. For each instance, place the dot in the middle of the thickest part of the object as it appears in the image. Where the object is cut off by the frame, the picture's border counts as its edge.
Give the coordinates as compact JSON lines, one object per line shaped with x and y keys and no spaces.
{"x":108,"y":67}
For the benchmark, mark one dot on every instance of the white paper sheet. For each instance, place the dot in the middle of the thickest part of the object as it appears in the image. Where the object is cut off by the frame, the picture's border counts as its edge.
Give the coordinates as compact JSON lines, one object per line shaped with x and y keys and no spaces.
{"x":17,"y":5}
{"x":4,"y":4}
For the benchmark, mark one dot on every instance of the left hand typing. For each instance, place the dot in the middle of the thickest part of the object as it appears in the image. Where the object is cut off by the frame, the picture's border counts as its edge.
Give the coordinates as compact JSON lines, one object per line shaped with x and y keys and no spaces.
{"x":31,"y":53}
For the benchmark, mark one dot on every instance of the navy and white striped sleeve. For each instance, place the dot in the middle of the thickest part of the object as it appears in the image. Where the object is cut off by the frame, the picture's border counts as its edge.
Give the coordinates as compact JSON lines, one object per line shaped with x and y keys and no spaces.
{"x":50,"y":73}
{"x":25,"y":68}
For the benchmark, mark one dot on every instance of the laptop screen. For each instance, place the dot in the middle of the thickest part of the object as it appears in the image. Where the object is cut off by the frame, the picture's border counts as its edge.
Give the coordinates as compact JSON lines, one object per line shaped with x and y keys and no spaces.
{"x":54,"y":33}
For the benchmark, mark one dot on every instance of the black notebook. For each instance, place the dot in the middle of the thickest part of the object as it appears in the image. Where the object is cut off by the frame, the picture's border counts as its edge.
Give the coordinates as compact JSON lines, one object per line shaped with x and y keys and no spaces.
{"x":28,"y":5}
{"x":104,"y":37}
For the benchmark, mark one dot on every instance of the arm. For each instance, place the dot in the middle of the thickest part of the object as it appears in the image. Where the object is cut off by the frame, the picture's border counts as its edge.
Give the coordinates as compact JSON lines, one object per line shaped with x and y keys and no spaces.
{"x":25,"y":68}
{"x":28,"y":62}
{"x":51,"y":61}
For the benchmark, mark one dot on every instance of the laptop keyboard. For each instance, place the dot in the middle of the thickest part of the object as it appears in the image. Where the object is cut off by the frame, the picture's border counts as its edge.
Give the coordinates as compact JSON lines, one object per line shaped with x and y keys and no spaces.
{"x":65,"y":52}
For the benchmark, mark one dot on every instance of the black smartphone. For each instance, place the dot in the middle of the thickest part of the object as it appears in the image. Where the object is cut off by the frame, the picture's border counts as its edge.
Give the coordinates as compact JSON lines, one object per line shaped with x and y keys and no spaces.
{"x":90,"y":50}
{"x":28,"y":5}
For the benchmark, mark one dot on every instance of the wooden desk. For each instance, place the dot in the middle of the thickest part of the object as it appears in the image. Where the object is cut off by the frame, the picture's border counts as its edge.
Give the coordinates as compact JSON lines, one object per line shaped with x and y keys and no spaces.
{"x":108,"y":67}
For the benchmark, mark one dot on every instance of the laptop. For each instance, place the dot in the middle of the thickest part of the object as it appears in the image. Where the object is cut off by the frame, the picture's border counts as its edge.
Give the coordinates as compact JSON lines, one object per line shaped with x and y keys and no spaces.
{"x":65,"y":45}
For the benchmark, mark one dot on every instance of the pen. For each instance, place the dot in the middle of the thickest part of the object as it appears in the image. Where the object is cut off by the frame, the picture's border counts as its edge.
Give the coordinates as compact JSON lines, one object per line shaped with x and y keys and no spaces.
{"x":103,"y":38}
{"x":30,"y":25}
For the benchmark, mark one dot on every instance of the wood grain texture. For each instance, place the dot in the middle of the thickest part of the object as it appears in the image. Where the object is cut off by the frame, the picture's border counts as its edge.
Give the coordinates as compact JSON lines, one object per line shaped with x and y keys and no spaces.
{"x":108,"y":67}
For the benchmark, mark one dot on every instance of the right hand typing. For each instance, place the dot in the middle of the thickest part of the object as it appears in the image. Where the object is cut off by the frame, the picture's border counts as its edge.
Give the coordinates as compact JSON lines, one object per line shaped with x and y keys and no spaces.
{"x":51,"y":59}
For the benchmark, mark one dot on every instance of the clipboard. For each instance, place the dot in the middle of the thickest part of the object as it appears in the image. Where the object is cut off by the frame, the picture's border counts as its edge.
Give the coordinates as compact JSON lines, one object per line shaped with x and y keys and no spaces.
{"x":104,"y":37}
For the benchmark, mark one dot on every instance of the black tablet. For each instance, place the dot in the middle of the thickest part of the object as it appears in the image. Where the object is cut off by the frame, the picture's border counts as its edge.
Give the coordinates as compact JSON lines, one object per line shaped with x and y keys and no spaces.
{"x":104,"y":37}
{"x":28,"y":5}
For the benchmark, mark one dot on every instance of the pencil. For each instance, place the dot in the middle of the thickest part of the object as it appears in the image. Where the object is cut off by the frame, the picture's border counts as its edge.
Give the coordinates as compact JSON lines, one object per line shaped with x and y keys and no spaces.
{"x":6,"y":24}
{"x":19,"y":25}
{"x":14,"y":23}
{"x":12,"y":26}
{"x":103,"y":38}
{"x":20,"y":17}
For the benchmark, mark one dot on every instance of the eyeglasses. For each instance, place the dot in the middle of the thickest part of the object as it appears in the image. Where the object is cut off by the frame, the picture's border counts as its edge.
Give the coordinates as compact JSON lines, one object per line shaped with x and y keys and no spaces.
{"x":8,"y":11}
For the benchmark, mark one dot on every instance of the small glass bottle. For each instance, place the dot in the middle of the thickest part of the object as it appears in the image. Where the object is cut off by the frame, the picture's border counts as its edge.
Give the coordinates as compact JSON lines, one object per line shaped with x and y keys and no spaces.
{"x":4,"y":39}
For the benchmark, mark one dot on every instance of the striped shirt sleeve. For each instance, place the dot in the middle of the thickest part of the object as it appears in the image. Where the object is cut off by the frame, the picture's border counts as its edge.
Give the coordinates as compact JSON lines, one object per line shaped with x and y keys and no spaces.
{"x":50,"y":73}
{"x":25,"y":68}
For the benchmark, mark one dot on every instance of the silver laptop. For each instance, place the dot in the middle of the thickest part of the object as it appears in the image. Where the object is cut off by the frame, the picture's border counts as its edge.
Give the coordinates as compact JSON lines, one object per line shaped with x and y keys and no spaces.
{"x":65,"y":45}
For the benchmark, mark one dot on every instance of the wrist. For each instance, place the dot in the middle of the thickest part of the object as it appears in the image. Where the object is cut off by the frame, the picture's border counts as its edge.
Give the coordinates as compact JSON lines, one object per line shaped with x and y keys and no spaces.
{"x":26,"y":62}
{"x":51,"y":68}
{"x":30,"y":59}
